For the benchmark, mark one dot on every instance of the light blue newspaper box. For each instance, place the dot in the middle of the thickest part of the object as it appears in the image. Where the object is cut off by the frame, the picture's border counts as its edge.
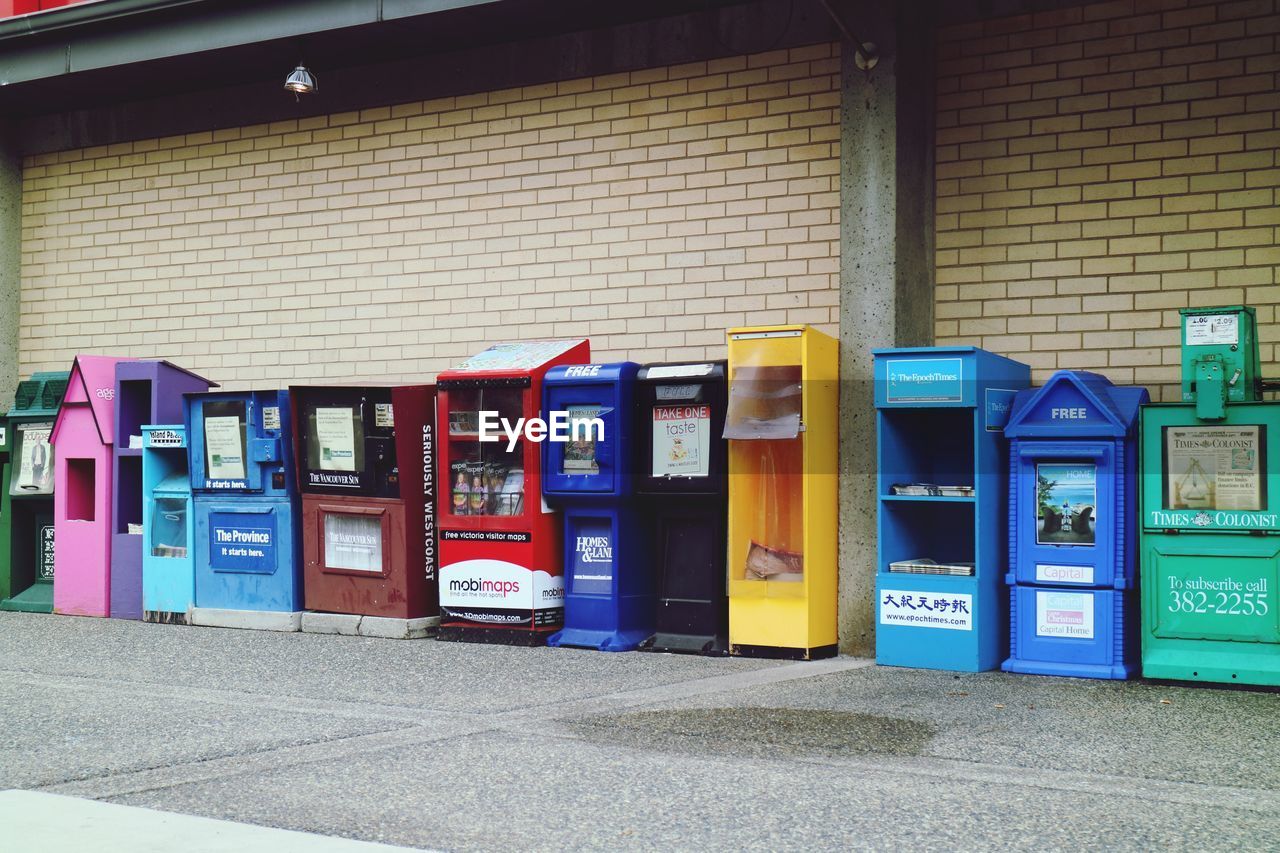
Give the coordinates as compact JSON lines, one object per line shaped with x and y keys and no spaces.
{"x":168,"y":534}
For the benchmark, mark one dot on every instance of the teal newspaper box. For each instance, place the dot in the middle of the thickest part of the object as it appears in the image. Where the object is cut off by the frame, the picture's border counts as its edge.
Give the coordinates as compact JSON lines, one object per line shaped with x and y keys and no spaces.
{"x":940,"y":415}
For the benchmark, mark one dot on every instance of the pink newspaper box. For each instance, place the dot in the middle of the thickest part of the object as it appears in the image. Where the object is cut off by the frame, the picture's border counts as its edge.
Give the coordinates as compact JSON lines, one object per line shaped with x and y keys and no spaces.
{"x":83,"y":436}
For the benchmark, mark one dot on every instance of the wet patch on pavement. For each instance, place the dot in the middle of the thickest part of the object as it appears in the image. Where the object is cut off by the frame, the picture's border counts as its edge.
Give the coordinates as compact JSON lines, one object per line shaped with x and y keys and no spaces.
{"x":762,"y":732}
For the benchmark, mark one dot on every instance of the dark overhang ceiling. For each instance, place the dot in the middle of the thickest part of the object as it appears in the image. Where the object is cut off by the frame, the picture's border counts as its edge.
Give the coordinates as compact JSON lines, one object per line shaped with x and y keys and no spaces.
{"x":68,"y":59}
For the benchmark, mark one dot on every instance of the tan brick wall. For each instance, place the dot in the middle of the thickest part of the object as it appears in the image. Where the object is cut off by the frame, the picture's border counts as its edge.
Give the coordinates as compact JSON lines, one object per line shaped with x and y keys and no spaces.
{"x":648,"y":211}
{"x":1100,"y":167}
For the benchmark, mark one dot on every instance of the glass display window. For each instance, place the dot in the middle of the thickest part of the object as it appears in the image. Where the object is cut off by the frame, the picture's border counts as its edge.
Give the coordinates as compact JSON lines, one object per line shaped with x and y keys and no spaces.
{"x":169,"y":527}
{"x":1066,"y":498}
{"x":486,"y":478}
{"x":225,"y":440}
{"x":1220,"y":467}
{"x":354,"y":542}
{"x":335,"y":438}
{"x":32,"y":471}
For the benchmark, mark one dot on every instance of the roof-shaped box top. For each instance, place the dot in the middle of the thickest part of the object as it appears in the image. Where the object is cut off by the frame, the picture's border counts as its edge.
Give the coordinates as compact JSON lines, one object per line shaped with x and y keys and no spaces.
{"x":147,"y":368}
{"x":92,"y":384}
{"x":518,"y":357}
{"x":40,"y":396}
{"x":1076,"y":403}
{"x":945,"y":350}
{"x":149,"y":392}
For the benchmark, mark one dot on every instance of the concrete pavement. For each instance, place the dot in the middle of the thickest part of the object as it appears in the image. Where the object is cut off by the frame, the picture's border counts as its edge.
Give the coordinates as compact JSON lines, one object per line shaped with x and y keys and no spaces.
{"x":51,"y":823}
{"x":447,"y":746}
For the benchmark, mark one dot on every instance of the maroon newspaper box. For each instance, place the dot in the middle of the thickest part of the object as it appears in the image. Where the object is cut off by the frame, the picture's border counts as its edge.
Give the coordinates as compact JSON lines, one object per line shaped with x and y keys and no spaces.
{"x":366,"y":470}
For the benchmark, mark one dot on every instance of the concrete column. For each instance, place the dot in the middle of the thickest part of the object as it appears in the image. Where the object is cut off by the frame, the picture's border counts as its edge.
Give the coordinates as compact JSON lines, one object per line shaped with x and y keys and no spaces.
{"x":10,"y":266}
{"x":886,"y":260}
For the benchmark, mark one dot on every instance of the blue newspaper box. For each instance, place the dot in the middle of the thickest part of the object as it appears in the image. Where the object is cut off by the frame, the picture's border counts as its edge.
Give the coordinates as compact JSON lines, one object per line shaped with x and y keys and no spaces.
{"x":609,"y":598}
{"x":248,"y":525}
{"x":168,"y":529}
{"x":1072,"y":516}
{"x":943,"y":506}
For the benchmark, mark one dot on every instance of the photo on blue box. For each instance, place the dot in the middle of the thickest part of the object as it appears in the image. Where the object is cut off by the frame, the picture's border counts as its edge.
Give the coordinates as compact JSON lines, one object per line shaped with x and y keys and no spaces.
{"x":580,"y":452}
{"x":1067,"y":503}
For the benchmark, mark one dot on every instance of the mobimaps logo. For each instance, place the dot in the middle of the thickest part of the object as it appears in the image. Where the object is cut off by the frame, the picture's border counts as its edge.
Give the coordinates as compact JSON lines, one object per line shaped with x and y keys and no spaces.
{"x":477,"y":586}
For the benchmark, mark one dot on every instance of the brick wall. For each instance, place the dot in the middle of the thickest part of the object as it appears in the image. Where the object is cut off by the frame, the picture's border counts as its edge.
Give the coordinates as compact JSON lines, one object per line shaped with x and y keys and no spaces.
{"x":1100,"y":167}
{"x":648,"y":211}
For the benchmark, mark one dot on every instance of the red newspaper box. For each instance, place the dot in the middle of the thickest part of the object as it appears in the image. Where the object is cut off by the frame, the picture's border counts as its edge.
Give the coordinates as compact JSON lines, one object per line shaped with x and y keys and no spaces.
{"x":501,"y":566}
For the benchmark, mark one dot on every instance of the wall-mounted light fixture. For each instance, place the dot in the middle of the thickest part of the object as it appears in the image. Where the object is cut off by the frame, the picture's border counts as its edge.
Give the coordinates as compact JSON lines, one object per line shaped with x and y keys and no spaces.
{"x":301,"y":81}
{"x":865,"y":56}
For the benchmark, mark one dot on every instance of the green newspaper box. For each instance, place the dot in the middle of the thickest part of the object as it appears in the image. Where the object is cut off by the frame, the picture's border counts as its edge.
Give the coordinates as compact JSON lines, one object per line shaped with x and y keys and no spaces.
{"x":6,"y":525}
{"x":26,"y":504}
{"x":1210,"y":509}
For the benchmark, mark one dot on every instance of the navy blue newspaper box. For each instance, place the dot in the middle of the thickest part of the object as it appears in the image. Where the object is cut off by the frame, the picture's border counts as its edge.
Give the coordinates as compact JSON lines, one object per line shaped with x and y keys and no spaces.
{"x":682,"y":484}
{"x":608,"y":578}
{"x":248,"y":565}
{"x":1072,"y":511}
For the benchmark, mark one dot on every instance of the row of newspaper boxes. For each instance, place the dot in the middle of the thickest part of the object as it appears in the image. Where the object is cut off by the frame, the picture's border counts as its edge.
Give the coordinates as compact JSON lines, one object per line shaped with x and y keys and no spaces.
{"x":1071,"y":529}
{"x":528,"y":496}
{"x":1078,"y":528}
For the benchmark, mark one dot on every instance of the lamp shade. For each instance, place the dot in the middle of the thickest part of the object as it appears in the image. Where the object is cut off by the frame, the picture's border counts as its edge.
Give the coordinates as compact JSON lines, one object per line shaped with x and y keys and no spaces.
{"x":301,"y":81}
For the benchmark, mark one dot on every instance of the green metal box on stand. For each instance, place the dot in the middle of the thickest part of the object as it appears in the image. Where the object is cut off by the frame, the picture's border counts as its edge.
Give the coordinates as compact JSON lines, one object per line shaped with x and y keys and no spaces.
{"x":26,"y":516}
{"x":1210,"y":510}
{"x":1219,"y":358}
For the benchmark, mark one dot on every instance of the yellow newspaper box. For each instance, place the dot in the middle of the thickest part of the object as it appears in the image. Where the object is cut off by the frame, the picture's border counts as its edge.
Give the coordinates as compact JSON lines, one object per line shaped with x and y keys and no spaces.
{"x":782,"y":429}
